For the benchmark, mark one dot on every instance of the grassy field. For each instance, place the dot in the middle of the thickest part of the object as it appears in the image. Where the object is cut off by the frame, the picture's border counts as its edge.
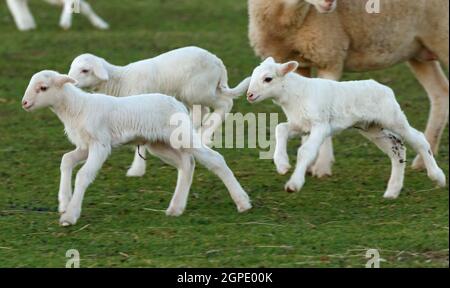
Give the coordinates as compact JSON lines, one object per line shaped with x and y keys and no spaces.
{"x":330,"y":223}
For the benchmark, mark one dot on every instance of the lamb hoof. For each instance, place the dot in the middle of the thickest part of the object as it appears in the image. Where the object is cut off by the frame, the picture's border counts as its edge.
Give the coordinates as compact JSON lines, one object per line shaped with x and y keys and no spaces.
{"x":439,"y":178}
{"x":391,"y":195}
{"x":292,"y":187}
{"x":244,"y":207}
{"x":65,"y":25}
{"x":100,"y":24}
{"x":283,"y":169}
{"x":418,"y":164}
{"x":174,"y":211}
{"x":133,"y":172}
{"x":67,"y":220}
{"x":321,"y":170}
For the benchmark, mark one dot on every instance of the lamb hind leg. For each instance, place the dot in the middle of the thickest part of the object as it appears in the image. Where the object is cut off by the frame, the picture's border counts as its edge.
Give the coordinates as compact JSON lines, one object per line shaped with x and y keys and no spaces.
{"x":420,"y":144}
{"x":392,"y":145}
{"x":185,"y":164}
{"x":96,"y":21}
{"x":138,"y":167}
{"x":22,"y":15}
{"x":433,"y":79}
{"x":215,"y":119}
{"x":216,"y":164}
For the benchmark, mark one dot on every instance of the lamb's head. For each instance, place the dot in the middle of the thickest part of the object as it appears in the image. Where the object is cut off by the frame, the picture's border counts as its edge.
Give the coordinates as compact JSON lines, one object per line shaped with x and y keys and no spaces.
{"x":44,"y":90}
{"x":89,"y":71}
{"x":323,"y":6}
{"x":267,"y":79}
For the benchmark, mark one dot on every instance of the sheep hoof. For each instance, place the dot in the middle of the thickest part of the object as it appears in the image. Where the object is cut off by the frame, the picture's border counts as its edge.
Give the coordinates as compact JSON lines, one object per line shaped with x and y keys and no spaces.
{"x":175,"y":212}
{"x":321,"y":171}
{"x":133,"y":172}
{"x":244,"y":207}
{"x":283,"y":169}
{"x":100,"y":24}
{"x":418,"y":164}
{"x":67,"y":220}
{"x":391,"y":195}
{"x":65,"y":26}
{"x":292,"y":187}
{"x":439,"y":177}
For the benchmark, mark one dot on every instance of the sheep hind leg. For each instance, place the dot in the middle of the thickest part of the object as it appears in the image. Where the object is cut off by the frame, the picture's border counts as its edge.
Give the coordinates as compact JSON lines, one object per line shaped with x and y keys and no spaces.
{"x":433,"y":79}
{"x":185,"y":164}
{"x":96,"y":21}
{"x":215,"y":162}
{"x":215,"y":119}
{"x":22,"y":15}
{"x":420,"y":144}
{"x":139,"y":164}
{"x":393,"y":146}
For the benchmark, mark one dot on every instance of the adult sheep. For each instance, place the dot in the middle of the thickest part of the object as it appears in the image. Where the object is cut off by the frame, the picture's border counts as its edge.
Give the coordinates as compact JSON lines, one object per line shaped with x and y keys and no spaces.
{"x":349,"y":38}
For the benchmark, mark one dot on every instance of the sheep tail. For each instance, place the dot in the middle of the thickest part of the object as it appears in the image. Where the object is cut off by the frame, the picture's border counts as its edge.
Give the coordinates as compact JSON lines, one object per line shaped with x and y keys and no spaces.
{"x":226,"y":91}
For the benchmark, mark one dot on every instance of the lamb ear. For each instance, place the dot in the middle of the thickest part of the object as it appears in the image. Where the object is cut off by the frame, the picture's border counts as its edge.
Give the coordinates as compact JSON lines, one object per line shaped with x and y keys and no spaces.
{"x":63,"y":79}
{"x":100,"y":71}
{"x":269,"y":60}
{"x":288,"y":67}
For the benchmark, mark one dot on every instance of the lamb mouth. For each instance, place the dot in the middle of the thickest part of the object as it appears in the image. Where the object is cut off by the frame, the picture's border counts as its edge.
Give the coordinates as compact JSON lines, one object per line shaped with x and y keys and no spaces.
{"x":253,"y":99}
{"x":326,"y":9}
{"x":28,"y":107}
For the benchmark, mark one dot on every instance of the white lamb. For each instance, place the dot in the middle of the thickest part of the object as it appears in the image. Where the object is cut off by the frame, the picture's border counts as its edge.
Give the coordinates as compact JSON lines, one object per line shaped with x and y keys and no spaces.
{"x":95,"y":123}
{"x":25,"y":21}
{"x":191,"y":74}
{"x":324,"y":107}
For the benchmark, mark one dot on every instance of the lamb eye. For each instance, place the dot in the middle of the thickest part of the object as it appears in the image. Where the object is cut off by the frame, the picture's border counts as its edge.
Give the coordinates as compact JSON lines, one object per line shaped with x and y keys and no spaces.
{"x":43,"y":88}
{"x":85,"y":71}
{"x":268,"y":79}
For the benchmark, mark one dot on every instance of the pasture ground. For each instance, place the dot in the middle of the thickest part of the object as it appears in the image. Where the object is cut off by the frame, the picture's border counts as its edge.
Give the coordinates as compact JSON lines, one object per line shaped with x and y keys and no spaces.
{"x":330,"y":223}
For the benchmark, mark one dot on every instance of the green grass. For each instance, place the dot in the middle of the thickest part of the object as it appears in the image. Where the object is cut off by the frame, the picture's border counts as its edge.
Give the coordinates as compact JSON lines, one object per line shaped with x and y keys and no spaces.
{"x":330,"y":223}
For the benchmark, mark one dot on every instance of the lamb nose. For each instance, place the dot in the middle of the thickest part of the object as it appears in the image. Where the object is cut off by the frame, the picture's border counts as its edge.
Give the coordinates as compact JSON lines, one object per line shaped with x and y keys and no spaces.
{"x":24,"y":103}
{"x":249,"y":95}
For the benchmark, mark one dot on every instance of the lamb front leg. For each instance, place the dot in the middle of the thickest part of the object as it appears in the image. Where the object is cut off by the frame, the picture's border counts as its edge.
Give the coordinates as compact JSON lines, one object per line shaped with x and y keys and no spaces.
{"x":323,"y":165}
{"x":306,"y":155}
{"x":281,"y":157}
{"x":98,"y":153}
{"x":68,"y":162}
{"x":283,"y":133}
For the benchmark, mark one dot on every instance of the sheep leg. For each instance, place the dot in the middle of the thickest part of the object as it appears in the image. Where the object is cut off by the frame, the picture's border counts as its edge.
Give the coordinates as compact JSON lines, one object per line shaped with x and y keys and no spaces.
{"x":393,"y":146}
{"x":433,"y":79}
{"x":420,"y":144}
{"x":21,"y":14}
{"x":185,"y":164}
{"x":216,"y":164}
{"x":323,"y":164}
{"x":66,"y":16}
{"x":138,"y":166}
{"x":306,"y":155}
{"x":215,"y":120}
{"x":199,"y":114}
{"x":68,"y":162}
{"x":281,"y":157}
{"x":98,"y":154}
{"x":96,"y":21}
